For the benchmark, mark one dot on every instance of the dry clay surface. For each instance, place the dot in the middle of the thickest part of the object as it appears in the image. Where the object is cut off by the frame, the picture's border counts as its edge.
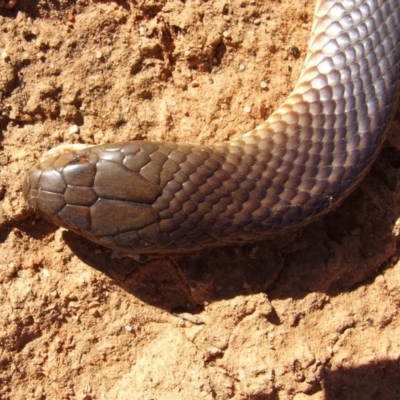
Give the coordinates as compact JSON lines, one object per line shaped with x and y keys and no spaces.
{"x":310,"y":315}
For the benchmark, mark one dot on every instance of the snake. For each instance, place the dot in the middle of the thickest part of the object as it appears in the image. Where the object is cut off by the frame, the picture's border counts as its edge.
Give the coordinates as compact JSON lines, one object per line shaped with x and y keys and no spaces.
{"x":166,"y":197}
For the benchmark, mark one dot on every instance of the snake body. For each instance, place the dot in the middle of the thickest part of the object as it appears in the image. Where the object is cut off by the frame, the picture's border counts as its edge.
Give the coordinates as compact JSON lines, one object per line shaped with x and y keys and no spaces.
{"x":149,"y":197}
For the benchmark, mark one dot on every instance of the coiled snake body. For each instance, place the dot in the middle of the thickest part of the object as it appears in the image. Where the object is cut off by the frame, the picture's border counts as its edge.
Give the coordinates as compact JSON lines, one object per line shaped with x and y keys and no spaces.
{"x":150,"y":197}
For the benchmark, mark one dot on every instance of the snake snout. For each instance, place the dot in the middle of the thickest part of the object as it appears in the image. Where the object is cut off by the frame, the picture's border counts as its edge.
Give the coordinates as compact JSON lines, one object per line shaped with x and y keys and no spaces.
{"x":44,"y":191}
{"x":26,"y":187}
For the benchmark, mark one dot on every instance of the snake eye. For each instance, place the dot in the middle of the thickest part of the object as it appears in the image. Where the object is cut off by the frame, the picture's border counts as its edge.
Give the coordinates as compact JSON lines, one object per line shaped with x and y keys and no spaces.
{"x":79,"y":160}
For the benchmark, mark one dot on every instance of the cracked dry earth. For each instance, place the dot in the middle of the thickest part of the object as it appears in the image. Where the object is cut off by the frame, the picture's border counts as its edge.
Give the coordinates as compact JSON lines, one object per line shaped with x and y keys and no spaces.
{"x":309,"y":315}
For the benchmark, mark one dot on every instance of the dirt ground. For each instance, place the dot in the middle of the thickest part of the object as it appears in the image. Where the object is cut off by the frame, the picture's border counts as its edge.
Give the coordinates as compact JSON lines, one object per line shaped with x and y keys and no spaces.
{"x":309,"y":315}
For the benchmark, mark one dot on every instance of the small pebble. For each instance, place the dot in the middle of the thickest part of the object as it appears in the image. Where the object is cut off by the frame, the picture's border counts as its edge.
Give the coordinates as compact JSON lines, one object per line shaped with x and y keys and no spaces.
{"x":214,"y":351}
{"x":247,"y":109}
{"x":188,"y":317}
{"x":263,"y":85}
{"x":38,"y":43}
{"x":45,"y":272}
{"x":241,"y":374}
{"x":181,"y":323}
{"x":95,"y":312}
{"x":73,"y":129}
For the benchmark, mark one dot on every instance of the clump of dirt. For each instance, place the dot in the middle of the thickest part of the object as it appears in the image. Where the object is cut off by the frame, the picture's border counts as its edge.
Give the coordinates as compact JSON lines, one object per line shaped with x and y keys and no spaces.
{"x":312,"y":314}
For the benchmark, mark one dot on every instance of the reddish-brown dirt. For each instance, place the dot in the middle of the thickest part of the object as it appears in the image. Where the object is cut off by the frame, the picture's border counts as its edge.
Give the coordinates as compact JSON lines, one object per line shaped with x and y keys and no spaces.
{"x":310,"y":315}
